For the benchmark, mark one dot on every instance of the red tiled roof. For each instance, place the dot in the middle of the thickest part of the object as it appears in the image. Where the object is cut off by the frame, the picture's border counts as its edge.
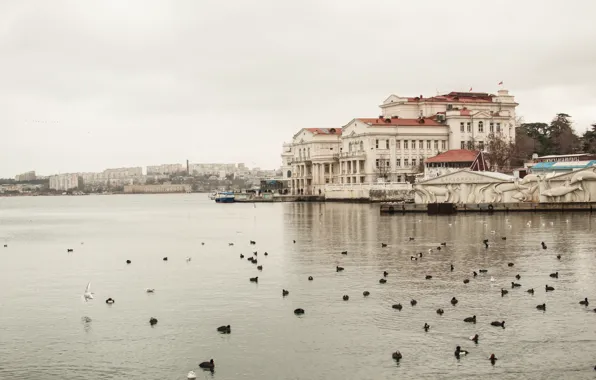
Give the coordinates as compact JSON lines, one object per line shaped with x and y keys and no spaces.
{"x":455,"y":155}
{"x":457,"y":97}
{"x":325,"y":131}
{"x":399,"y":122}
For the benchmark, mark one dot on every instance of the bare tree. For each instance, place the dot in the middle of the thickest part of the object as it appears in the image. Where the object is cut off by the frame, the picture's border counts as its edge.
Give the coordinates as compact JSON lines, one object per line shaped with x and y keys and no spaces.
{"x":383,"y":167}
{"x":500,"y":151}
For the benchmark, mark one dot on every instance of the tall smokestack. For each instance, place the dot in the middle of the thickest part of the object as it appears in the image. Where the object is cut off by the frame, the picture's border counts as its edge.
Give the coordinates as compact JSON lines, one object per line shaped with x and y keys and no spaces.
{"x":187,"y":168}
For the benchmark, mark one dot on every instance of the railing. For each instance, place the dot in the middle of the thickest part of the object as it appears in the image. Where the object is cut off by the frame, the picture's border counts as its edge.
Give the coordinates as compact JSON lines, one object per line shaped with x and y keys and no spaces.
{"x":353,"y":154}
{"x":369,"y":186}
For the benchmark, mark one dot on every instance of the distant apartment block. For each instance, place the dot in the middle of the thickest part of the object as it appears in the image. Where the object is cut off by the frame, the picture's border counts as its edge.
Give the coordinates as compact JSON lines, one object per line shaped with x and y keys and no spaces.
{"x":64,"y":182}
{"x":217,"y":169}
{"x":165,"y":169}
{"x":157,"y":189}
{"x":29,"y":176}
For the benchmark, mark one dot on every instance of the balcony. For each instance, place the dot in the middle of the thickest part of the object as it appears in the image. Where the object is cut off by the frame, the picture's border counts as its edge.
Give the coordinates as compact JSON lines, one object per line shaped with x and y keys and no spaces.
{"x":360,"y":153}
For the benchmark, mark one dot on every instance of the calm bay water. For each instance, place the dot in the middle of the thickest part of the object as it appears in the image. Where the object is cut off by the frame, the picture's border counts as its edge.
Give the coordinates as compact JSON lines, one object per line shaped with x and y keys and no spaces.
{"x":42,"y":335}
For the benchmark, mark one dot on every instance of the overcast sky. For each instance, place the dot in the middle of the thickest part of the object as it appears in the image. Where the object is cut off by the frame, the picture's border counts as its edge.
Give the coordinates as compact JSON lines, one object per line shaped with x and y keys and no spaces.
{"x":89,"y":85}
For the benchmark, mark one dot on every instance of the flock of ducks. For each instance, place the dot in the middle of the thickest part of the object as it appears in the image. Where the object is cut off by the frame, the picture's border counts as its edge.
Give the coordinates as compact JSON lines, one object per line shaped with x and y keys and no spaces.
{"x":397,"y":355}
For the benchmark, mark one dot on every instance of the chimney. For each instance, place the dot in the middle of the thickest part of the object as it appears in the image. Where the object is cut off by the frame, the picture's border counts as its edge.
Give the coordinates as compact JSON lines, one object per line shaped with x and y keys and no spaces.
{"x":187,"y":168}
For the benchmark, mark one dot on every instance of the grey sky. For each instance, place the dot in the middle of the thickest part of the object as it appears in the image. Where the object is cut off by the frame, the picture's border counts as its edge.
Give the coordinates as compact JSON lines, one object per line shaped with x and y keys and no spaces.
{"x":135,"y":83}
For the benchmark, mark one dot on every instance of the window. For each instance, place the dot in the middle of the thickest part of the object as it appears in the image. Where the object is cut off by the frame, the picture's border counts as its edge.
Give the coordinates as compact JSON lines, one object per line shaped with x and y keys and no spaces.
{"x":498,"y":127}
{"x":361,"y":145}
{"x":398,"y":162}
{"x":308,"y":152}
{"x":421,"y":144}
{"x":362,"y":179}
{"x":480,"y":127}
{"x":443,"y":144}
{"x":470,"y":146}
{"x":349,"y":147}
{"x":413,"y":144}
{"x":481,"y":145}
{"x":386,"y":144}
{"x":398,"y":178}
{"x":405,"y":162}
{"x":405,"y":144}
{"x":377,"y":162}
{"x":428,"y":144}
{"x":377,"y":144}
{"x":396,"y":144}
{"x":461,"y":127}
{"x":491,"y":127}
{"x":413,"y":162}
{"x":469,"y":127}
{"x":463,"y":145}
{"x":436,"y":144}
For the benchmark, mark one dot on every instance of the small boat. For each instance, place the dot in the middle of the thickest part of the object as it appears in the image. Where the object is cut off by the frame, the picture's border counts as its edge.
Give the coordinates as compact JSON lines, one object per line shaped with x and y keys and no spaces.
{"x":224,"y":197}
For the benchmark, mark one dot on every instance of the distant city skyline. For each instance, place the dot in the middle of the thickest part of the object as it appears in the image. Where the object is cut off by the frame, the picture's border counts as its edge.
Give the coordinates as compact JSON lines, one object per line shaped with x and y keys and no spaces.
{"x":88,"y":86}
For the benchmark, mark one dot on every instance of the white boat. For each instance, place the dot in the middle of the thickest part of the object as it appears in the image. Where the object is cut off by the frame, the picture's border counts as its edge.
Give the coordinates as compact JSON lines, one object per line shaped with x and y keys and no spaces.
{"x":225,"y":197}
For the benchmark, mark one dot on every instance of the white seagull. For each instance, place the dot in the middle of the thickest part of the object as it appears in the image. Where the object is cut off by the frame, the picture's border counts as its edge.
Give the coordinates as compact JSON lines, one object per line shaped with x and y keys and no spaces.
{"x":191,"y":375}
{"x":88,"y":295}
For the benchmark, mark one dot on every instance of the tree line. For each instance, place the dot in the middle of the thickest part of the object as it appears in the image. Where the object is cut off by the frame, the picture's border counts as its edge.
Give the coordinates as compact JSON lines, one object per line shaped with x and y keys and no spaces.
{"x":557,"y":137}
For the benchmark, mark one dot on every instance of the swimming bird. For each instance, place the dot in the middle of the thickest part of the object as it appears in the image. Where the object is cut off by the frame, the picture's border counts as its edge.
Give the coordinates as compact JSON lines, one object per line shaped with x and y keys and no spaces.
{"x":69,"y":250}
{"x":366,"y":293}
{"x":543,"y":245}
{"x":165,"y":259}
{"x":492,"y":359}
{"x":294,"y":241}
{"x":338,"y":269}
{"x":420,"y":254}
{"x":498,"y":324}
{"x":202,"y":243}
{"x":452,"y":267}
{"x":241,"y":256}
{"x":426,"y":327}
{"x":397,"y":306}
{"x":440,"y":311}
{"x":549,"y":288}
{"x":87,"y":295}
{"x":413,"y":258}
{"x":466,"y":281}
{"x":150,"y":290}
{"x":383,"y":245}
{"x":207,"y":365}
{"x":310,"y":278}
{"x":255,"y":253}
{"x":344,"y":252}
{"x":554,"y":275}
{"x":444,"y":244}
{"x":385,"y":273}
{"x":188,"y":259}
{"x":5,"y":245}
{"x":254,"y":279}
{"x":152,"y":321}
{"x":284,"y":292}
{"x":474,"y":338}
{"x":504,"y":292}
{"x":429,"y":277}
{"x":382,"y":281}
{"x":470,"y":319}
{"x":475,"y":274}
{"x":454,"y":301}
{"x":413,"y":302}
{"x":224,"y":329}
{"x":459,"y":352}
{"x":396,"y":355}
{"x":230,"y":244}
{"x":531,"y":291}
{"x":298,"y":311}
{"x":483,"y":270}
{"x":559,"y":257}
{"x":492,"y":279}
{"x":510,"y":264}
{"x":191,"y":375}
{"x":584,"y":302}
{"x":515,"y":285}
{"x":110,"y":301}
{"x":411,"y":239}
{"x":128,"y":261}
{"x":86,"y":319}
{"x":503,"y":238}
{"x":517,"y":276}
{"x":541,"y":307}
{"x":259,"y":267}
{"x":252,"y":242}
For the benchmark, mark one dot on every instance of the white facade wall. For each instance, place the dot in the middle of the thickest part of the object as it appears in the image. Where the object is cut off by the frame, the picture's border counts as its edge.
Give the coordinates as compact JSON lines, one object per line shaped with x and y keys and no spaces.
{"x":165,"y":169}
{"x":64,"y":182}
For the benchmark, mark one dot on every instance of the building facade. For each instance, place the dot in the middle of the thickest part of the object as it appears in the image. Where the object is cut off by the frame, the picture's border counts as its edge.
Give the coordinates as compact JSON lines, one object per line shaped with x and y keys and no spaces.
{"x":64,"y":182}
{"x":165,"y":169}
{"x":29,"y":176}
{"x":157,"y":189}
{"x":314,"y":160}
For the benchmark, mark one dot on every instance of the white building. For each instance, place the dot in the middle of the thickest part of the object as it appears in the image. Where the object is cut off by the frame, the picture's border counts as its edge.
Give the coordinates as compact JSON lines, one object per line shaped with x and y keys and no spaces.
{"x":314,"y":160}
{"x":123,"y":173}
{"x":165,"y":169}
{"x":29,"y":176}
{"x":470,"y":116}
{"x":64,"y":182}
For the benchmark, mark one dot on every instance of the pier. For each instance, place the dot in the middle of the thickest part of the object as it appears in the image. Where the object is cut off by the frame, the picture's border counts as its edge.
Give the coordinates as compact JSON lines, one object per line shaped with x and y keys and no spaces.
{"x":389,"y":208}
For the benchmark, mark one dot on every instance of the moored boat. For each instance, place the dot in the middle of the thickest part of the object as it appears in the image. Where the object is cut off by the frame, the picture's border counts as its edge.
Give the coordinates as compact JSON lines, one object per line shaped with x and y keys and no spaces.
{"x":224,"y":197}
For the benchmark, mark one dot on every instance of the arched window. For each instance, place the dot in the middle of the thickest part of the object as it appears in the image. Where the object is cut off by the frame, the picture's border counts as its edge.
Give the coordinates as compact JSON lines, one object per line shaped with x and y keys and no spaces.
{"x":480,"y":127}
{"x":289,"y":174}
